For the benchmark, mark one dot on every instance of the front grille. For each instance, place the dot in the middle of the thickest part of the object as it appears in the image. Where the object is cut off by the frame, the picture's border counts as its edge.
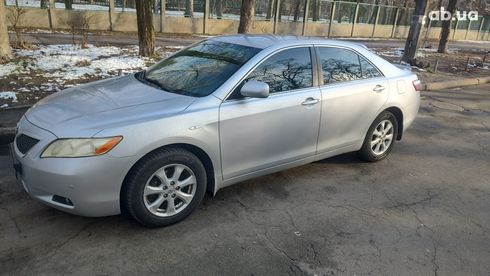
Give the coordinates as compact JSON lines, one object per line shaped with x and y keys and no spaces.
{"x":24,"y":143}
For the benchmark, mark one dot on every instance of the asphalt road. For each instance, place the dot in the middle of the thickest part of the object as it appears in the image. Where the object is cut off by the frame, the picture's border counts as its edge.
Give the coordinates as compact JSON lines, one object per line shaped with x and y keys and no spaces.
{"x":423,"y":211}
{"x":122,"y":39}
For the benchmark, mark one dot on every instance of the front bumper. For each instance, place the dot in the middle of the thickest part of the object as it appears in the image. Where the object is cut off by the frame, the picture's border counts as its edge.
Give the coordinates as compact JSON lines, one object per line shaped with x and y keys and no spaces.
{"x":91,"y":184}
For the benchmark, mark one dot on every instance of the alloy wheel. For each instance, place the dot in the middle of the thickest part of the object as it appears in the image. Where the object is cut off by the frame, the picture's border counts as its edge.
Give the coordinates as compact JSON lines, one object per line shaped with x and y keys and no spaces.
{"x":169,"y":190}
{"x":382,"y":137}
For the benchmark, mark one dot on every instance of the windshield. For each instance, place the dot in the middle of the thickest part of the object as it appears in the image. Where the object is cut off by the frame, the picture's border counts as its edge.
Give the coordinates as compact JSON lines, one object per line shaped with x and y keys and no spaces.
{"x":200,"y":69}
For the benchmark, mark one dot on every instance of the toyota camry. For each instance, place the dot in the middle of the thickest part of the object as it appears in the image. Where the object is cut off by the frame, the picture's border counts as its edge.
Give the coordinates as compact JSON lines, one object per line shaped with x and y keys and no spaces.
{"x":216,"y":113}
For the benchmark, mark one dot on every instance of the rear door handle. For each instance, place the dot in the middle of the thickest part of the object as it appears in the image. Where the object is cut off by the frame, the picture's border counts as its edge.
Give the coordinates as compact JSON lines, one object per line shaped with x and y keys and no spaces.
{"x":379,"y":88}
{"x":310,"y":101}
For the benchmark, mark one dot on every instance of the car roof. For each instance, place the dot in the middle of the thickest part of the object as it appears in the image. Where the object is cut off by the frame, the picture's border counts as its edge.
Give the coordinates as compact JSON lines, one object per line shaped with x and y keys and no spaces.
{"x":265,"y":41}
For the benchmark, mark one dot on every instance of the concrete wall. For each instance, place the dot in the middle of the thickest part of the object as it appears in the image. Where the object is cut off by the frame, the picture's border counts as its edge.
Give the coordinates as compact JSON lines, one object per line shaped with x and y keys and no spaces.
{"x":33,"y":18}
{"x":126,"y":22}
{"x":383,"y":30}
{"x":183,"y":25}
{"x":98,"y":20}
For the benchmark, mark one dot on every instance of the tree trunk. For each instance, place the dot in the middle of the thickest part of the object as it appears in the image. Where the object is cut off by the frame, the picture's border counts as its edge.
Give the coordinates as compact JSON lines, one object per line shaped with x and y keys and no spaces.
{"x":316,"y":10}
{"x":146,"y":31}
{"x":247,"y":12}
{"x":270,"y":9}
{"x":446,"y":28}
{"x":189,"y":8}
{"x":219,"y":9}
{"x":297,"y":10}
{"x":5,"y":51}
{"x":282,"y":6}
{"x":373,"y":12}
{"x":412,"y":43}
{"x":338,"y":12}
{"x":69,"y":4}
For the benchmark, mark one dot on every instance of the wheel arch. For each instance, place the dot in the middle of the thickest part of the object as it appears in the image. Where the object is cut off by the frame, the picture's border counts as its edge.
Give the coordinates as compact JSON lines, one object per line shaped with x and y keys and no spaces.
{"x":399,"y":119}
{"x":200,"y":153}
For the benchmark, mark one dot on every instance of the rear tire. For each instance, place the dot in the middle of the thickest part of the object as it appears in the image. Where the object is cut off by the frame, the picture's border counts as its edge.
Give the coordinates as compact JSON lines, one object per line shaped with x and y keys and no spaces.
{"x":380,"y":138}
{"x":164,"y":187}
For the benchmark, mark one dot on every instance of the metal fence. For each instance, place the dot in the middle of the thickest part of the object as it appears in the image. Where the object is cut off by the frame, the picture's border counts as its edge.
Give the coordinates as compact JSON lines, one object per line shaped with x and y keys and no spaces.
{"x":328,"y":12}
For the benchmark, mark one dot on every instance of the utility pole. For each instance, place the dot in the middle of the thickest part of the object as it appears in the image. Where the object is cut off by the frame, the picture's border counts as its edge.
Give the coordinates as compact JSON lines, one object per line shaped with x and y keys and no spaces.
{"x":412,"y":42}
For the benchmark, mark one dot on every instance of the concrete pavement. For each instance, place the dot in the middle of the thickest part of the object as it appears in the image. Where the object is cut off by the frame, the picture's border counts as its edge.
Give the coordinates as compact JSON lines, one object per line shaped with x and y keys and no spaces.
{"x":423,"y":211}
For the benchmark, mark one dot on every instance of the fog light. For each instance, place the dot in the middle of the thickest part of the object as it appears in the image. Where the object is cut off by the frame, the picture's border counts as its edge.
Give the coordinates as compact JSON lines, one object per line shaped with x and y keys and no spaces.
{"x":62,"y":200}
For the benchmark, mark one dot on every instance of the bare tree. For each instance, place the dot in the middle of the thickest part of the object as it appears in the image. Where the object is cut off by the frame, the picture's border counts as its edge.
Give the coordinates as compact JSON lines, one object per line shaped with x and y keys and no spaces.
{"x":282,"y":7}
{"x":5,"y":51}
{"x":146,"y":30}
{"x":219,"y":9}
{"x":247,"y":13}
{"x":69,"y":4}
{"x":412,"y":43}
{"x":189,"y":8}
{"x":403,"y":14}
{"x":15,"y":16}
{"x":316,"y":10}
{"x":297,"y":10}
{"x":80,"y":25}
{"x":446,"y":28}
{"x":270,"y":9}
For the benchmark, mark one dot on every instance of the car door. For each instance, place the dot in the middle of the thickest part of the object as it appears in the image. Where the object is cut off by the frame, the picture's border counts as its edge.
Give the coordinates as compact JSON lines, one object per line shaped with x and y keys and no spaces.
{"x":353,"y":91}
{"x":256,"y":133}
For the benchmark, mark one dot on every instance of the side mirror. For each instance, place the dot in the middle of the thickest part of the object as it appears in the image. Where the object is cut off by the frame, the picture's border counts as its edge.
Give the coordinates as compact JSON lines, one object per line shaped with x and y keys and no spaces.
{"x":255,"y":89}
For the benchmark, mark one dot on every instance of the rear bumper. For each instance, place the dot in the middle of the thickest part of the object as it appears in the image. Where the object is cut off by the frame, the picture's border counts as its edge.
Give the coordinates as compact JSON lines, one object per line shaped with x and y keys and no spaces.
{"x":92,"y":184}
{"x":410,"y":111}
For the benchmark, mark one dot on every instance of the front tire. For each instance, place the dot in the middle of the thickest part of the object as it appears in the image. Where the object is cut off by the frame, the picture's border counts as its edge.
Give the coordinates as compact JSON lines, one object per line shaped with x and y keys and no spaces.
{"x":380,"y":139}
{"x":164,"y":187}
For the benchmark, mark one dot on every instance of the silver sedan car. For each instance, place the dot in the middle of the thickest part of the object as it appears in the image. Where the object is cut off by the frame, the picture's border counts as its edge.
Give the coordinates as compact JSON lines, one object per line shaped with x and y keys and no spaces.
{"x":216,"y":113}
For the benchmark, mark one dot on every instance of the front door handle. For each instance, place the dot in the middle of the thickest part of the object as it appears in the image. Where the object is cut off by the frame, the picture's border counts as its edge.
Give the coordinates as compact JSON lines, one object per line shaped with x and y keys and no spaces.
{"x":310,"y":101}
{"x":379,"y":88}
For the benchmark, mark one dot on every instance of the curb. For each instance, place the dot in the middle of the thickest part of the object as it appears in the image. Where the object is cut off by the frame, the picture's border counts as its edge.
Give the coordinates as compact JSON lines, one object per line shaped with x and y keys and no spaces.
{"x":431,"y":86}
{"x":7,"y":131}
{"x":7,"y":126}
{"x":7,"y":135}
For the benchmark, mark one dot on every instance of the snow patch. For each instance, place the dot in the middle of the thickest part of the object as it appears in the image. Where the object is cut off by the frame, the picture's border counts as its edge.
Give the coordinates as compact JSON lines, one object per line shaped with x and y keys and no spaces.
{"x":123,"y":63}
{"x":395,"y":52}
{"x":66,"y":62}
{"x":7,"y":69}
{"x":8,"y":96}
{"x":49,"y":68}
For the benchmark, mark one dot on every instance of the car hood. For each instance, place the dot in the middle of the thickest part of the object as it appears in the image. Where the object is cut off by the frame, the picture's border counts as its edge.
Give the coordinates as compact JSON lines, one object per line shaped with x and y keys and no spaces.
{"x":92,"y":107}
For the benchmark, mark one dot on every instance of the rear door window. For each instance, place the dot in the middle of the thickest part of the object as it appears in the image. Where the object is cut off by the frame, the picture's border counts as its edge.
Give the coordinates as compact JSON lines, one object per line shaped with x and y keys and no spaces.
{"x":339,"y":65}
{"x":368,"y":70}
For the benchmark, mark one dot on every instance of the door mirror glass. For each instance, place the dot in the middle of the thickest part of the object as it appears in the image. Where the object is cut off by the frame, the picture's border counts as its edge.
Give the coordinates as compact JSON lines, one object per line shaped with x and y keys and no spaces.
{"x":255,"y":89}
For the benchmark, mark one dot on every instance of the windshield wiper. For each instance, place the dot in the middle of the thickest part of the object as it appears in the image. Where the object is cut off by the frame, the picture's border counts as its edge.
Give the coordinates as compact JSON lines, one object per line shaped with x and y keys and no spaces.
{"x":141,"y":76}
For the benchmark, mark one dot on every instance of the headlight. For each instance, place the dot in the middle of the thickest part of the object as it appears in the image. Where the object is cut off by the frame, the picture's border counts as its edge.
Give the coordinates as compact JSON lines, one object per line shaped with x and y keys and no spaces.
{"x":80,"y":147}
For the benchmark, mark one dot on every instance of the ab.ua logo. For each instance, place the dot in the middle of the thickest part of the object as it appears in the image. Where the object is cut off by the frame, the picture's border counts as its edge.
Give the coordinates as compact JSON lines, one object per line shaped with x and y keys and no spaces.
{"x":443,"y":15}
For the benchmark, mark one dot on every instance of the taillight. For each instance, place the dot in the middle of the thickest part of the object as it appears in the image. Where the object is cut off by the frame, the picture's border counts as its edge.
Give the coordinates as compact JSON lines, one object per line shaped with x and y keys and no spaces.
{"x":417,"y":84}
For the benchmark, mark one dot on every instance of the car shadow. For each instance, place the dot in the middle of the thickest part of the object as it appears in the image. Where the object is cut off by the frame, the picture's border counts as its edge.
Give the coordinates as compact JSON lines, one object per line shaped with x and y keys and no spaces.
{"x":346,"y":158}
